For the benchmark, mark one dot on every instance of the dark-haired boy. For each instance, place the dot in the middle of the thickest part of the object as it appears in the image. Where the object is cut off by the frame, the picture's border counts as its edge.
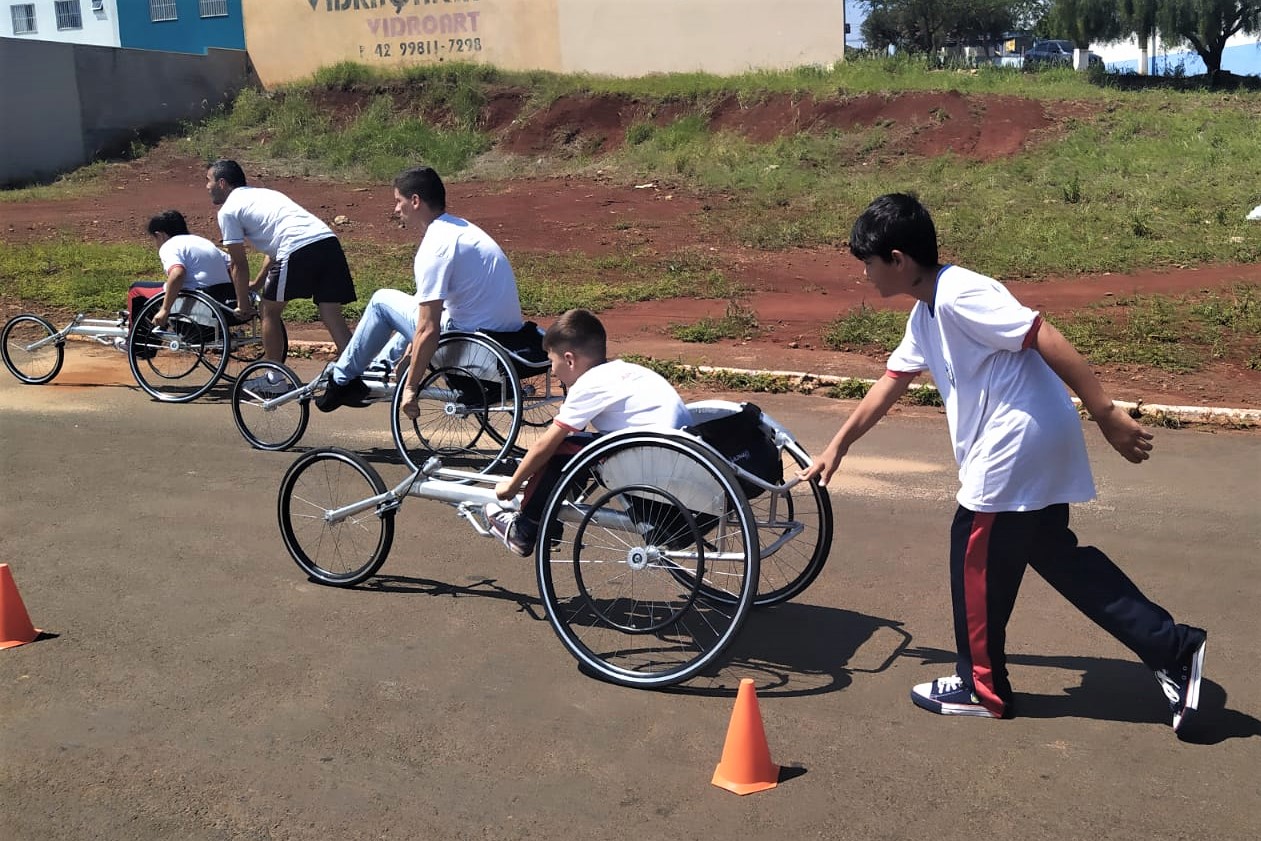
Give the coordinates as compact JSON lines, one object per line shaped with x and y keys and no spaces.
{"x":1001,"y":371}
{"x":302,"y":256}
{"x":604,"y":395}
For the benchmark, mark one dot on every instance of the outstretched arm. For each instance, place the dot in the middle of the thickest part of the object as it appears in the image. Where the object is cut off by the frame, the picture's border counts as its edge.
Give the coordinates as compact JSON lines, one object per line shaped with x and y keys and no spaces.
{"x":887,"y":390}
{"x":424,"y":343}
{"x":543,"y":448}
{"x":1125,"y":435}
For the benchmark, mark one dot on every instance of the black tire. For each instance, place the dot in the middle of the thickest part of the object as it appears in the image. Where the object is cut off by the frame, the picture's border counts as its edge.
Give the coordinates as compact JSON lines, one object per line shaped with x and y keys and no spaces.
{"x":795,"y":547}
{"x":247,"y":346}
{"x":639,"y":527}
{"x":339,"y":554}
{"x":277,"y":426}
{"x":33,"y":367}
{"x":183,"y":361}
{"x":500,"y":411}
{"x":541,"y":397}
{"x":451,"y":423}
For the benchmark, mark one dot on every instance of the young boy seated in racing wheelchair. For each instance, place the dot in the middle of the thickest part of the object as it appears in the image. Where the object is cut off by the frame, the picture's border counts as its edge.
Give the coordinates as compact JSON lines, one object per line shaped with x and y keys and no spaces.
{"x":605,"y":395}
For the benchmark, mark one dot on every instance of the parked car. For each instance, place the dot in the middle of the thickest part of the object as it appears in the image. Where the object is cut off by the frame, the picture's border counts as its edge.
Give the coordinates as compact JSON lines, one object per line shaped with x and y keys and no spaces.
{"x":1054,"y":53}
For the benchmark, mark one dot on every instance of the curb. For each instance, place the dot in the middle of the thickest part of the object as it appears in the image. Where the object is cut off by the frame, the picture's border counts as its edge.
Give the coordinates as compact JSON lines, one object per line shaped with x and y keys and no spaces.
{"x":1158,"y":413}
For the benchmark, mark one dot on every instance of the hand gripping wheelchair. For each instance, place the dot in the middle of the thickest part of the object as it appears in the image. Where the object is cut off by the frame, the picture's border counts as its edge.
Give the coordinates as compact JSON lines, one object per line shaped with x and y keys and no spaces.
{"x":655,"y":543}
{"x":202,"y":342}
{"x":486,"y":396}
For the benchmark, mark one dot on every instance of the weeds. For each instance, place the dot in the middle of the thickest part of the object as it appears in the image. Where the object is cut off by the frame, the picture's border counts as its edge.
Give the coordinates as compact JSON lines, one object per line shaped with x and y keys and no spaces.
{"x":739,"y":322}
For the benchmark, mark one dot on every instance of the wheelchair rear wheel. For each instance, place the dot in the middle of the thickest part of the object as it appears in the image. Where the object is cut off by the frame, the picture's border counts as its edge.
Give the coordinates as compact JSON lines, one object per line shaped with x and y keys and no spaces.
{"x":183,"y":360}
{"x":638,"y":534}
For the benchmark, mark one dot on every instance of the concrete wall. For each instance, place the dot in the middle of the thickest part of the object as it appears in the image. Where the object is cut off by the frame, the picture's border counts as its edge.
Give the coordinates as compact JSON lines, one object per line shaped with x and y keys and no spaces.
{"x":1242,"y":56}
{"x":189,"y":33}
{"x":288,"y":40}
{"x":99,"y":27}
{"x":79,"y":102}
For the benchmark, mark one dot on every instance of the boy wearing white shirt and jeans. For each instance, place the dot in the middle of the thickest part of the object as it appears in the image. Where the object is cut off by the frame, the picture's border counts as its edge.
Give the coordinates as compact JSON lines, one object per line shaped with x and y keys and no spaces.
{"x":463,"y":282}
{"x":601,"y":394}
{"x":1001,"y":371}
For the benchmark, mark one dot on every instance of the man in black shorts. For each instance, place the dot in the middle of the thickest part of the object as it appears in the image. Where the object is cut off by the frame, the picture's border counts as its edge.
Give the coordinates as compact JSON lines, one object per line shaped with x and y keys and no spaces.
{"x":303,"y":257}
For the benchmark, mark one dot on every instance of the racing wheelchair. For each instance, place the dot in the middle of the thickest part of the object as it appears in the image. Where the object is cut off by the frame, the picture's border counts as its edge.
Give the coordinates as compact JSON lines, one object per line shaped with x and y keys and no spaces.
{"x":202,"y":342}
{"x":655,"y":545}
{"x":485,"y":398}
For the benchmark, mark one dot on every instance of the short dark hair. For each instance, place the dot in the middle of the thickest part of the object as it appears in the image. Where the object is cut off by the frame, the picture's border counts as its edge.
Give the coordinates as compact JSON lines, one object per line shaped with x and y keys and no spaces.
{"x":169,"y":222}
{"x":578,"y":332}
{"x":424,"y":182}
{"x":895,"y":222}
{"x":229,"y":171}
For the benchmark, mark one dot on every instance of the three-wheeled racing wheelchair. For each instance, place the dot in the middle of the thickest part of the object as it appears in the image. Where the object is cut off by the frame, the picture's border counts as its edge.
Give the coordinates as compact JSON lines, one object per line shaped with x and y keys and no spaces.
{"x":485,"y":397}
{"x":658,"y":542}
{"x":202,"y":342}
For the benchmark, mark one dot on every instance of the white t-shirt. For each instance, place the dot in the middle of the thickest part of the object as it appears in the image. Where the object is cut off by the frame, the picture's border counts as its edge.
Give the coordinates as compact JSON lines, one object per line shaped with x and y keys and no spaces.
{"x":459,"y":264}
{"x":1017,"y":437}
{"x":617,"y":395}
{"x":272,"y":222}
{"x":204,"y":264}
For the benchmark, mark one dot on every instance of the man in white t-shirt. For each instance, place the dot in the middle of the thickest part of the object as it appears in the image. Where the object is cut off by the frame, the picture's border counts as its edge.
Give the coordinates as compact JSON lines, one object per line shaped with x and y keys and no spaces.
{"x":1002,"y":371}
{"x":463,"y":282}
{"x":601,"y":395}
{"x":302,"y":256}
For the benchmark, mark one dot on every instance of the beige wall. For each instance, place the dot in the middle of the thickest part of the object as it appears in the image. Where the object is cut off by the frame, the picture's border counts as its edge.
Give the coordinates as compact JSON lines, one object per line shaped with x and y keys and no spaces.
{"x":635,"y":37}
{"x":289,"y":39}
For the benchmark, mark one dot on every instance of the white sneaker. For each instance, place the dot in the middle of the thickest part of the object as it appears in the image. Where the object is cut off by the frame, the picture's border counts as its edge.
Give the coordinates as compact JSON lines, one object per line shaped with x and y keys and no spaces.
{"x":502,"y":525}
{"x":120,"y":344}
{"x":270,"y":384}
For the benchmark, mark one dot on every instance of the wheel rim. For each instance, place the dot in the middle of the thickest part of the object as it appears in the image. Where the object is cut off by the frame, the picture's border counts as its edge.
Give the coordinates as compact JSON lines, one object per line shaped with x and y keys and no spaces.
{"x":184,"y":360}
{"x":342,"y":553}
{"x":32,"y":366}
{"x":274,"y":427}
{"x":586,"y":568}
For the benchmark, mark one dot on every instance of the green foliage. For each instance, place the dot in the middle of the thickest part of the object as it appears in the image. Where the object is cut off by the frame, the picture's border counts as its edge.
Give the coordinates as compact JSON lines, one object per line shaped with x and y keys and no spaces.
{"x":739,"y":322}
{"x":865,"y":327}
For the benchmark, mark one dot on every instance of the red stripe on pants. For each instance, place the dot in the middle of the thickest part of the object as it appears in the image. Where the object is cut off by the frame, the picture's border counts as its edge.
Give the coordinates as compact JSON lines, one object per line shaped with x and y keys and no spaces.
{"x":976,"y":605}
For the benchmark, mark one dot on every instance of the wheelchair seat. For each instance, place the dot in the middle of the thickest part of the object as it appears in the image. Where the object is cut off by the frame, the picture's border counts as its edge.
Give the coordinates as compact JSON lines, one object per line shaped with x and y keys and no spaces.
{"x":524,"y":346}
{"x":741,"y":438}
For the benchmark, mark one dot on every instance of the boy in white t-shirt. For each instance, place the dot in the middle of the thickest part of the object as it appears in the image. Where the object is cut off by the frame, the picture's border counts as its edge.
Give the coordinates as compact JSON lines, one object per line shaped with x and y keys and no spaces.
{"x":1001,"y":371}
{"x":463,"y":282}
{"x":302,"y":257}
{"x":189,"y":262}
{"x":601,"y":394}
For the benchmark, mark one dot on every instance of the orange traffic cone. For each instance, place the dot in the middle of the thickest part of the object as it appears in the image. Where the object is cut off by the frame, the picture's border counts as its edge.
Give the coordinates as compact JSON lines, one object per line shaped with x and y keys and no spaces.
{"x":746,"y":764}
{"x":15,"y":623}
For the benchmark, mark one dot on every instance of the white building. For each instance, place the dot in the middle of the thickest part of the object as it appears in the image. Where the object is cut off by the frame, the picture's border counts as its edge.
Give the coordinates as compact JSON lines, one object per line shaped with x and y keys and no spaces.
{"x":1242,"y":57}
{"x":67,"y":21}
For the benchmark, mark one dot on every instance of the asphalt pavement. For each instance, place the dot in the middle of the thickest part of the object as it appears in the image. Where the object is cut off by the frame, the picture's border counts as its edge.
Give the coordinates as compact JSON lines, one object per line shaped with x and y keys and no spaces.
{"x":193,"y":684}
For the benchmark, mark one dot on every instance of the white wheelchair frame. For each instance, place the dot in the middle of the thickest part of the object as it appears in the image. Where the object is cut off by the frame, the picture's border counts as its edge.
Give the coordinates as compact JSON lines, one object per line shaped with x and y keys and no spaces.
{"x":650,"y":552}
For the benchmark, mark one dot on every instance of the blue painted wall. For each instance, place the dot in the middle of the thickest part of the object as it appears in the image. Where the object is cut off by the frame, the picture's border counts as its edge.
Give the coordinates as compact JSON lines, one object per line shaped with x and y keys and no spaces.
{"x":190,"y":34}
{"x":1242,"y":60}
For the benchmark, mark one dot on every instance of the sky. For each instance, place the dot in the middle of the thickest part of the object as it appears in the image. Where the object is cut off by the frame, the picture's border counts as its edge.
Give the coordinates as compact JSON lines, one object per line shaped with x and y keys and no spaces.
{"x":855,"y":14}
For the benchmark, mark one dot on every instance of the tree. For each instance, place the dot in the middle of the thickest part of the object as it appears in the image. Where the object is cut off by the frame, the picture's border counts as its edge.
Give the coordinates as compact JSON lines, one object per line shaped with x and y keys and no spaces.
{"x":1206,"y":25}
{"x":925,"y":26}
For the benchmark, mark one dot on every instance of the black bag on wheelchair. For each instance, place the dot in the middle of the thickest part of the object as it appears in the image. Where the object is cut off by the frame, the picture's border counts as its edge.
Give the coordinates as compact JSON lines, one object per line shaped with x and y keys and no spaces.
{"x":740,"y":437}
{"x":526,"y":343}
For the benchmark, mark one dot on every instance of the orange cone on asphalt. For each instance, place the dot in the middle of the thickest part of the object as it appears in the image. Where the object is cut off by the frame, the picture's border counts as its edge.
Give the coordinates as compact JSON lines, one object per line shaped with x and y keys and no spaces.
{"x":746,"y":764}
{"x":15,"y":623}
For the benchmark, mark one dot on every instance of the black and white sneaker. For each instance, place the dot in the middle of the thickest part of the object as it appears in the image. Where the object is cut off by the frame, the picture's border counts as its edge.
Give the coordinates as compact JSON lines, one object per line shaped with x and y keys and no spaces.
{"x":1181,"y":684}
{"x":948,"y":696}
{"x":351,"y":393}
{"x":503,"y":524}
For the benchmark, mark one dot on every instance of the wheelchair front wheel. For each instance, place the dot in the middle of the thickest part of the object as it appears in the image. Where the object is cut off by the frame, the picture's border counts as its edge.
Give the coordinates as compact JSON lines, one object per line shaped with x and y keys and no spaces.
{"x":275,"y":427}
{"x":32,"y":366}
{"x":344,"y":553}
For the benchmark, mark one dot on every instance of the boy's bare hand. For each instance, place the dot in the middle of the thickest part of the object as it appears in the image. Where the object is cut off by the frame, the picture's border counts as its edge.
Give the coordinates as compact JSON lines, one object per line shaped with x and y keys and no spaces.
{"x":505,"y":490}
{"x":1125,"y":435}
{"x":824,"y":465}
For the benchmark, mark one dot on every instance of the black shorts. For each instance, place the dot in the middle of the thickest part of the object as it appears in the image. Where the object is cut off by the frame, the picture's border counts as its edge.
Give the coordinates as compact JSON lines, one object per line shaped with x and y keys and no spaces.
{"x":318,"y":271}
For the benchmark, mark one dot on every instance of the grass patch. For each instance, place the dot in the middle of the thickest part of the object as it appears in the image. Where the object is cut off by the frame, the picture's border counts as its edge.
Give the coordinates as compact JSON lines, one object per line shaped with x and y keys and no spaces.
{"x":865,"y":328}
{"x":739,"y":322}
